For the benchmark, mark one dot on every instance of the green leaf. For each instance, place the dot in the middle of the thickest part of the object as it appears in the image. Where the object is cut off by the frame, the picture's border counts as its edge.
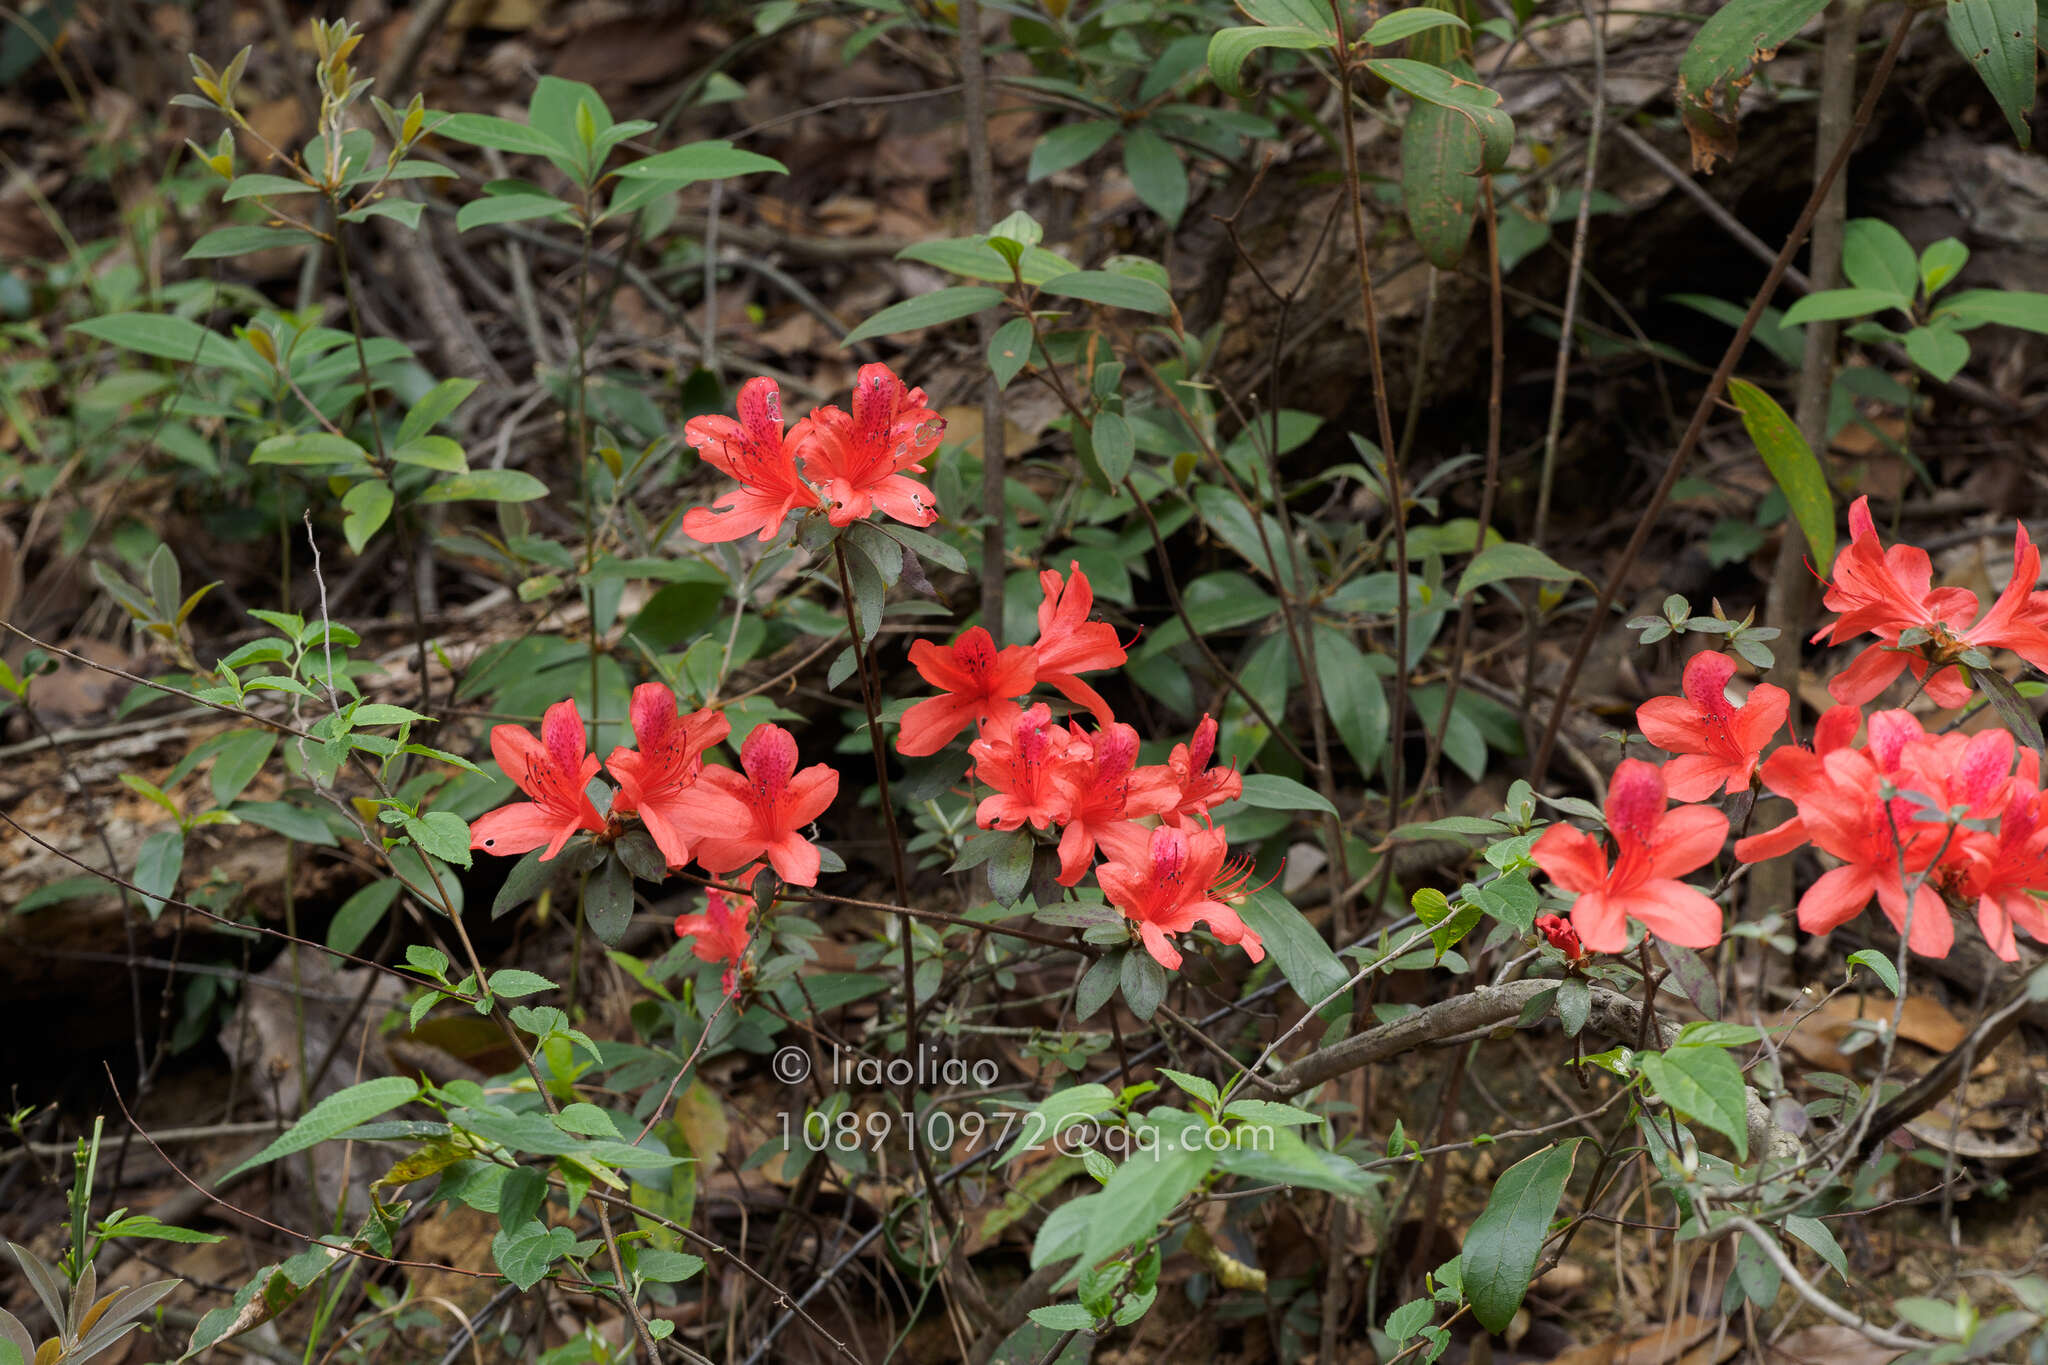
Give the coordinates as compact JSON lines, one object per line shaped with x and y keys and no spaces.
{"x":975,"y":259}
{"x":1719,"y":65}
{"x":1816,"y":1235}
{"x":1832,"y":305}
{"x":1703,"y":1083}
{"x":1115,"y":448}
{"x":433,"y":406}
{"x":1501,"y":1249}
{"x":173,"y":338}
{"x":1009,"y":350}
{"x":701,"y":161}
{"x":1112,"y":290}
{"x":1475,"y":102}
{"x":2022,"y":308}
{"x":240,"y":757}
{"x":1941,"y":262}
{"x":270,"y":186}
{"x":1069,"y":145}
{"x":927,"y":310}
{"x":482,"y":130}
{"x":1301,"y":954}
{"x":310,"y":448}
{"x":1158,"y":175}
{"x":2012,"y":708}
{"x":487,"y":485}
{"x":1142,"y":1192}
{"x":1997,"y":38}
{"x":1876,"y":256}
{"x":1939,"y":351}
{"x":339,"y":1112}
{"x":1882,"y":967}
{"x":1510,"y":560}
{"x":1406,"y":23}
{"x":361,"y":913}
{"x":1353,"y":697}
{"x":156,"y":1230}
{"x":365,"y":508}
{"x":608,"y":902}
{"x":157,"y":865}
{"x":241,"y":239}
{"x":438,"y":453}
{"x":1440,"y":152}
{"x":1270,"y":791}
{"x":523,"y":1256}
{"x":514,"y":982}
{"x":1229,"y":48}
{"x":1144,"y":982}
{"x":509,"y":208}
{"x":442,"y":833}
{"x":1056,"y":1113}
{"x":1792,"y":463}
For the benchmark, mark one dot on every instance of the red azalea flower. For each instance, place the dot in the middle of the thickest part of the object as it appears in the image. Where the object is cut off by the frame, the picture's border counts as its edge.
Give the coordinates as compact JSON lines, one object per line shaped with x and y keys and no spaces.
{"x":979,"y":683}
{"x":775,"y":803}
{"x":1023,"y":760}
{"x":2002,"y":873}
{"x":1179,"y":880}
{"x":553,"y":770}
{"x":1880,"y":843}
{"x":1719,"y":745}
{"x":1562,"y":936}
{"x":1887,"y":592}
{"x":1796,"y":771}
{"x":653,"y":780}
{"x":1196,"y":787}
{"x":1069,"y":643}
{"x":753,"y":452}
{"x":1103,"y":800}
{"x":860,"y":460}
{"x":1653,"y":847}
{"x":720,"y":934}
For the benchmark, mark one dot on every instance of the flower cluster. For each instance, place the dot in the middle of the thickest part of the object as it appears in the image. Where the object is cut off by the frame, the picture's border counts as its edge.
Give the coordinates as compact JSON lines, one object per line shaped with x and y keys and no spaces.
{"x":1920,"y":823}
{"x":846,"y":464}
{"x":1165,"y":877}
{"x":1909,"y":817}
{"x":729,"y":822}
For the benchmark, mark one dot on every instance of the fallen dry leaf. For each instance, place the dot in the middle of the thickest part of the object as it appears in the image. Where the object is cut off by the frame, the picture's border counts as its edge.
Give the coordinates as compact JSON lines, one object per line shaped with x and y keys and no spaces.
{"x":1670,"y":1344}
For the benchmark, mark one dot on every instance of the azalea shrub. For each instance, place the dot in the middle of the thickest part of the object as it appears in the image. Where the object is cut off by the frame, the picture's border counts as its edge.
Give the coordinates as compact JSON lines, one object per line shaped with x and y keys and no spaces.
{"x":1095,"y":874}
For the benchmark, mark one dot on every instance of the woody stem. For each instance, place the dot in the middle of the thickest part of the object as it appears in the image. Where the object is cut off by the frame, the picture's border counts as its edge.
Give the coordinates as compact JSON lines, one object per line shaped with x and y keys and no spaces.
{"x":869,"y":703}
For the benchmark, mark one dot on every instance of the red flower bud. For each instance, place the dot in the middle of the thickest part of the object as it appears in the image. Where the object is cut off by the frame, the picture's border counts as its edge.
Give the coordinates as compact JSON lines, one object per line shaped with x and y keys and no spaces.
{"x":1562,"y":936}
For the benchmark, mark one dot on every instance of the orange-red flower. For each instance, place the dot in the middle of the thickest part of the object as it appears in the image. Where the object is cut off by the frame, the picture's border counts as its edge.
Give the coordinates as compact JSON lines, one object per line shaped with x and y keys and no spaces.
{"x":1889,"y":592}
{"x":1881,"y":843}
{"x":775,"y":802}
{"x":653,"y":780}
{"x":2003,"y":870}
{"x":979,"y":686}
{"x":1719,"y":745}
{"x":553,"y":770}
{"x":720,"y":934}
{"x":1101,"y":799}
{"x":752,"y":451}
{"x":1069,"y":643}
{"x":1653,"y":847}
{"x":1196,"y":787}
{"x":1022,"y":760}
{"x":1179,"y":880}
{"x":863,"y":460}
